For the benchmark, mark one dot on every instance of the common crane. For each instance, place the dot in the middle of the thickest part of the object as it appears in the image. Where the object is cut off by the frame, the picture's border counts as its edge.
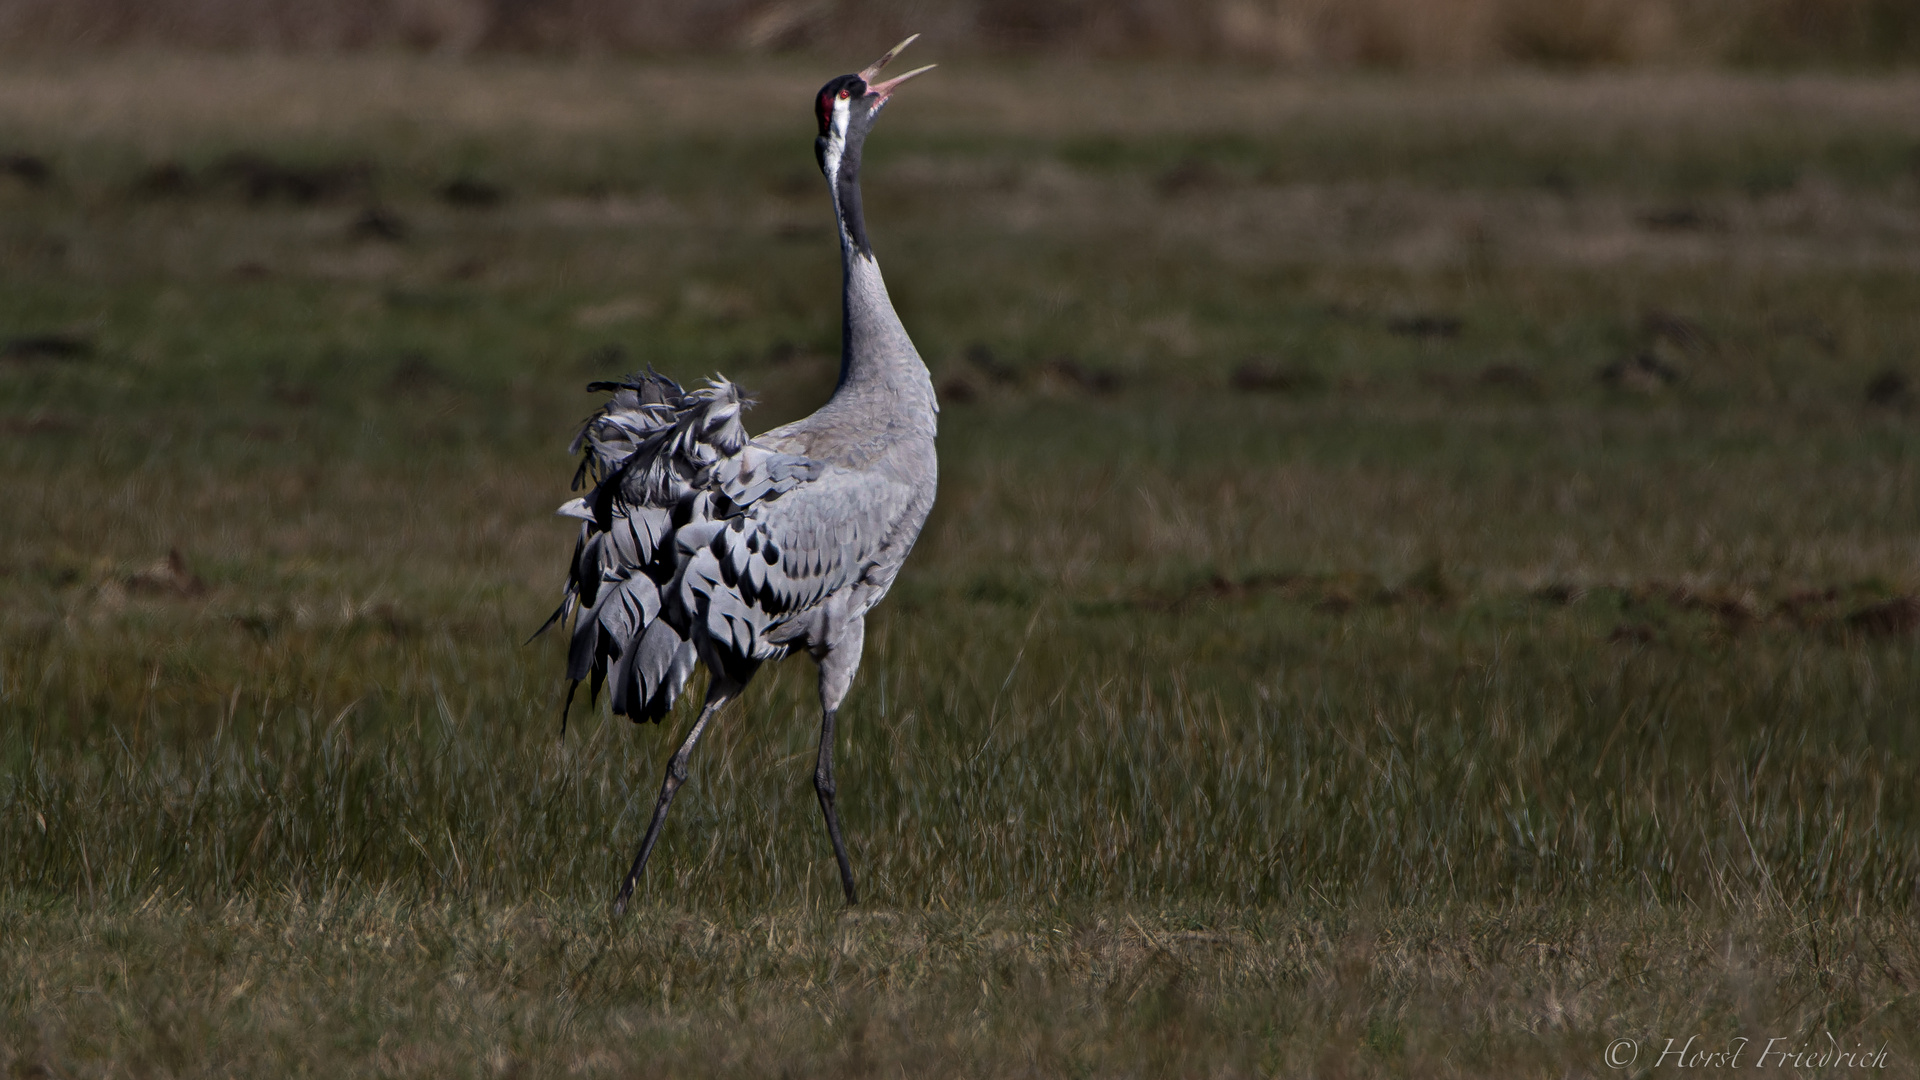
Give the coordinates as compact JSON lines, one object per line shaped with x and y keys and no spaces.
{"x":699,"y":544}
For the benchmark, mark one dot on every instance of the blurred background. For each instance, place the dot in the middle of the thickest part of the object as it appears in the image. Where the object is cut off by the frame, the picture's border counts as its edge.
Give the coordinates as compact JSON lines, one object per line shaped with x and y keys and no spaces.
{"x":1316,"y":34}
{"x":1457,"y":455}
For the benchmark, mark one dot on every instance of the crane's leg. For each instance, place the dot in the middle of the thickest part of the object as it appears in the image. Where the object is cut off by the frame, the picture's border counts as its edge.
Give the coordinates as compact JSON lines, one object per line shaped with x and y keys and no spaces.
{"x":823,"y":786}
{"x":837,"y":665}
{"x":718,"y":694}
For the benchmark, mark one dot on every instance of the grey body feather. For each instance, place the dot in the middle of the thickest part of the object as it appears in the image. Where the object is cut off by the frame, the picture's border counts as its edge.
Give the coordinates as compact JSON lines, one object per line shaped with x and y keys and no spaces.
{"x":698,"y":543}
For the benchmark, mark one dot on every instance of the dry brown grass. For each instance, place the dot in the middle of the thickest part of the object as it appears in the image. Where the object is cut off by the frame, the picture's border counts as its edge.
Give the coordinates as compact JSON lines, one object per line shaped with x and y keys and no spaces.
{"x":394,"y":988}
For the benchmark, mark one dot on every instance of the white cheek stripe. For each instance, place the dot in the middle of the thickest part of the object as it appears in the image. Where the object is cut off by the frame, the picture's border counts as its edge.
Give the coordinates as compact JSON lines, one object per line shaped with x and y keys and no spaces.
{"x":837,"y":137}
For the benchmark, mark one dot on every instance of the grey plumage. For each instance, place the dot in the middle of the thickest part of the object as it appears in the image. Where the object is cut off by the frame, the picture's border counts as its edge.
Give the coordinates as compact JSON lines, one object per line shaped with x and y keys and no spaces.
{"x":680,"y":556}
{"x":700,"y":544}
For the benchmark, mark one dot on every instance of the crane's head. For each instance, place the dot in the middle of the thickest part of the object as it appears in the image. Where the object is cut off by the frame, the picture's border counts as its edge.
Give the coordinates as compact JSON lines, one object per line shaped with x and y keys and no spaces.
{"x":846,"y":108}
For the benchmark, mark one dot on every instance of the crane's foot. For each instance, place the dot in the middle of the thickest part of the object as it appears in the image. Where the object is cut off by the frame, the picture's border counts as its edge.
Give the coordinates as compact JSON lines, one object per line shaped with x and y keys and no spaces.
{"x":825,"y":789}
{"x":632,"y":879}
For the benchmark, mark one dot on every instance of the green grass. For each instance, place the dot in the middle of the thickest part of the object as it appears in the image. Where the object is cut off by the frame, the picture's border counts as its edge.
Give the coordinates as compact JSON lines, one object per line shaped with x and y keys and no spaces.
{"x":1313,"y":666}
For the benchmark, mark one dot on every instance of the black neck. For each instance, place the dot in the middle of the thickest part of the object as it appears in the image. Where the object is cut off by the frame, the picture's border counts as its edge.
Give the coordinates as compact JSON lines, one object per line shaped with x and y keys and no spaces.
{"x":846,"y":203}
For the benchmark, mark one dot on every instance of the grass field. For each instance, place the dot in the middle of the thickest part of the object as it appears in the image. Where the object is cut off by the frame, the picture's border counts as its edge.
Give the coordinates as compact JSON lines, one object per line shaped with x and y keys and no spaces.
{"x":1426,"y":578}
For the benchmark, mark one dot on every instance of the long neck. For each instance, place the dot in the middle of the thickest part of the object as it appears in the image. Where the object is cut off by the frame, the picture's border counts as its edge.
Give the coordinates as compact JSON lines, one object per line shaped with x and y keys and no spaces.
{"x":876,"y":356}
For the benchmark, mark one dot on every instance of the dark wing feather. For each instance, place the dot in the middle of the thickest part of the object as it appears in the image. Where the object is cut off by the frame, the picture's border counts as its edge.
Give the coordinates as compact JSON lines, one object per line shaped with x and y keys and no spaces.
{"x":772,"y":563}
{"x":680,"y":556}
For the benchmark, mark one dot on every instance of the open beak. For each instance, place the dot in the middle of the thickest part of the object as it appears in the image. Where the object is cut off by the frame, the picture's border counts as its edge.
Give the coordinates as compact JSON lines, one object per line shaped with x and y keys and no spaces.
{"x":886,"y":89}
